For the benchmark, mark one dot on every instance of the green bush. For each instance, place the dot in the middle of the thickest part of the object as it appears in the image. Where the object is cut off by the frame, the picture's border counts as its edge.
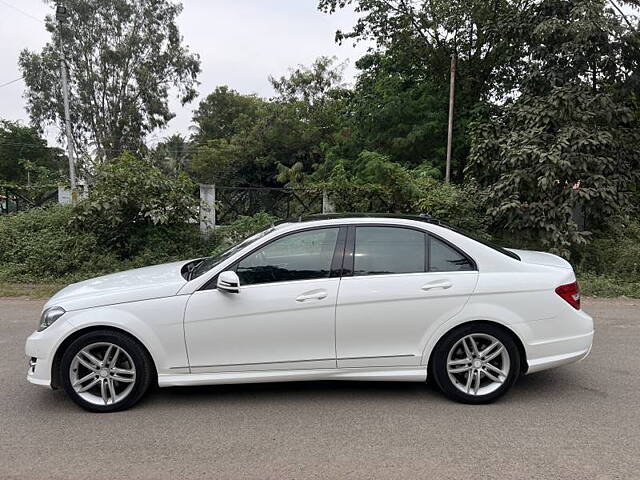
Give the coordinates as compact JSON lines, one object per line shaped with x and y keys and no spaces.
{"x":456,"y":205}
{"x":131,"y":196}
{"x":383,"y":186}
{"x":616,"y":253}
{"x":45,"y":245}
{"x":226,"y":236}
{"x":39,"y":245}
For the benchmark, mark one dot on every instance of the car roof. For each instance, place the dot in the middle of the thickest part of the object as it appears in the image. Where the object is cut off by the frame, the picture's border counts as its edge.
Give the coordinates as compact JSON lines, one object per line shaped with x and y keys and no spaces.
{"x":344,"y":216}
{"x":424,"y":218}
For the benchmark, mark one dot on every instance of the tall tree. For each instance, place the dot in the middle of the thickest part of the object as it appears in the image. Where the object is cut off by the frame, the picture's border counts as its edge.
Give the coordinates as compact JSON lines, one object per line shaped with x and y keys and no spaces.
{"x":24,"y":155}
{"x":413,"y":41}
{"x":246,"y":140}
{"x":124,"y":56}
{"x":570,"y":140}
{"x":172,"y":154}
{"x":223,"y":114}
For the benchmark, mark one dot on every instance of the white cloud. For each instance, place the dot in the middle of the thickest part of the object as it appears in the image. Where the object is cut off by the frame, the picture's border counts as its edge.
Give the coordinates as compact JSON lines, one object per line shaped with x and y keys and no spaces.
{"x":240,"y":43}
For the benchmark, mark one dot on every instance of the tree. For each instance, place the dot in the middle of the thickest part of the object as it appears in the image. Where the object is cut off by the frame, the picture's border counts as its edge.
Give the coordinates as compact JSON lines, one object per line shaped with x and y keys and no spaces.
{"x":124,"y":56}
{"x":570,"y":140}
{"x":246,"y":140}
{"x":132,"y":195}
{"x":224,"y":113}
{"x":25,"y":157}
{"x":414,"y":41}
{"x":172,"y":155}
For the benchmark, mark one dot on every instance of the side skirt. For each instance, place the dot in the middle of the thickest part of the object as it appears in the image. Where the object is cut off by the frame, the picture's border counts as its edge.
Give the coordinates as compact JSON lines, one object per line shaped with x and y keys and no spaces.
{"x":382,"y":374}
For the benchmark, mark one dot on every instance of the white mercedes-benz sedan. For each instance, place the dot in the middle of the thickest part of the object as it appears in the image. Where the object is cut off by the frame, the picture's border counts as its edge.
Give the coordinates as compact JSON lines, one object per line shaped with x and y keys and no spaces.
{"x":389,"y":298}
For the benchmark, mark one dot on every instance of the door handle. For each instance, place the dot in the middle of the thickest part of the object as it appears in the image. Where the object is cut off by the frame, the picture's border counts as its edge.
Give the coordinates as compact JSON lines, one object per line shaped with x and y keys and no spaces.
{"x":315,"y":295}
{"x":443,"y":284}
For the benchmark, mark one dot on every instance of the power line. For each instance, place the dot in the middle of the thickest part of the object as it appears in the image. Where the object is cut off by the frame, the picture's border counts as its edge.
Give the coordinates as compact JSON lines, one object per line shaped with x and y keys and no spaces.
{"x":12,"y":81}
{"x":21,"y":11}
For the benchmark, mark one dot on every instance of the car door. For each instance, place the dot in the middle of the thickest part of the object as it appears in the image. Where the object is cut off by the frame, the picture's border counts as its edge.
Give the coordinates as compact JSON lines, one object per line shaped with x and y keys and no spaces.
{"x":284,"y":315}
{"x":399,"y":284}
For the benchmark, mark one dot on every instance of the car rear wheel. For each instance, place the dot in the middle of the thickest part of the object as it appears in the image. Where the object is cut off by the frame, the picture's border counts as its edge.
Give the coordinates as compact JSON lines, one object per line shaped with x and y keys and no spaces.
{"x":476,"y":363}
{"x":105,"y":371}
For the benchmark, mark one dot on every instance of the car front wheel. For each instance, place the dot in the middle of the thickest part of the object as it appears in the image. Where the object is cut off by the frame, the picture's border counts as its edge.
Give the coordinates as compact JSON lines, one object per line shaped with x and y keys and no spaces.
{"x":476,"y":363}
{"x":105,"y":371}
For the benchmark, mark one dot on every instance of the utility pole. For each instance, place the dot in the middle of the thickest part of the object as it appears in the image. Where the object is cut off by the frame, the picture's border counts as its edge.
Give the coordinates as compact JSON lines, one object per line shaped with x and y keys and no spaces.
{"x":61,"y":15}
{"x":452,"y":96}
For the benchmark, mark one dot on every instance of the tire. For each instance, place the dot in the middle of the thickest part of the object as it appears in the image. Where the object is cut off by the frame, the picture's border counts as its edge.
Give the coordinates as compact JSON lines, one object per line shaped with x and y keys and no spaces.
{"x":101,"y":388}
{"x":453,"y":363}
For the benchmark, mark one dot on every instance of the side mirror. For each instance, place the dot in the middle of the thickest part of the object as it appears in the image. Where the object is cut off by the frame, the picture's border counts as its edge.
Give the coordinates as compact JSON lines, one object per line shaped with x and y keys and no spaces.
{"x":228,"y":282}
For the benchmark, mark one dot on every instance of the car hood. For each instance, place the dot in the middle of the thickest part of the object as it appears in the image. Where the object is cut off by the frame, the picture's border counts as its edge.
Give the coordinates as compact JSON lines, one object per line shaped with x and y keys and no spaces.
{"x":541,"y":258}
{"x":128,"y":286}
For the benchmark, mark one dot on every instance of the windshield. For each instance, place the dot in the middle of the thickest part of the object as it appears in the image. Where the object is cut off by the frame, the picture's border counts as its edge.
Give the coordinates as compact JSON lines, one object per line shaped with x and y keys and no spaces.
{"x":204,"y":265}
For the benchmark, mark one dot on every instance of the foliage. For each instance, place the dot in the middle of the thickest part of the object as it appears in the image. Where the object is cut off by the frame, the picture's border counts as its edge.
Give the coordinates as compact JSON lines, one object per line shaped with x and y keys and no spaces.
{"x":47,"y":245}
{"x":380,"y":185}
{"x":402,"y":118}
{"x":172,"y":155}
{"x":25,"y":157}
{"x":407,"y":71}
{"x":224,"y":113}
{"x":616,"y":253}
{"x":592,"y":285}
{"x":548,"y":156}
{"x":225,"y":236}
{"x":456,"y":205}
{"x":131,"y":195}
{"x":38,"y":245}
{"x":243,"y":140}
{"x":123,"y":57}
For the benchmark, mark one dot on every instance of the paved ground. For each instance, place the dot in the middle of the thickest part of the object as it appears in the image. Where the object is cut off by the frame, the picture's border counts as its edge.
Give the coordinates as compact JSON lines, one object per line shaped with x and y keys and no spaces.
{"x":580,"y":421}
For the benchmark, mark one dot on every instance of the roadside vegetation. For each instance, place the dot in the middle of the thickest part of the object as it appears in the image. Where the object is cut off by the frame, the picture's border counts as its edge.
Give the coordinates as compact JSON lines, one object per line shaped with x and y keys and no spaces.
{"x":545,"y":152}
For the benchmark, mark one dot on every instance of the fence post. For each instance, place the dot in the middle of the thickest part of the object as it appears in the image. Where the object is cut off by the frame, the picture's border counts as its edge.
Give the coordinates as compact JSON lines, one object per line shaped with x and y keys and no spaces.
{"x":64,"y":195}
{"x":207,"y":208}
{"x":327,"y":205}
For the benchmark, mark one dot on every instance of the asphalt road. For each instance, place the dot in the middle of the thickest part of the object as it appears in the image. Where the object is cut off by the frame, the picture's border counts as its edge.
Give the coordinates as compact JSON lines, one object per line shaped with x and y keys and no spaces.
{"x":580,"y":421}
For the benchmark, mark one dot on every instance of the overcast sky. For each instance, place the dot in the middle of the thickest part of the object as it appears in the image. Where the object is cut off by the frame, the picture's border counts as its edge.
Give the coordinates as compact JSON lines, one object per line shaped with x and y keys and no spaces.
{"x":240,"y":43}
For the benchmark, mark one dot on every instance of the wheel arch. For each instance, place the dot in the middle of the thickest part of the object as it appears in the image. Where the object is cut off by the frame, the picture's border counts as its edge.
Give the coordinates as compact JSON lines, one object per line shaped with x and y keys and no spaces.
{"x":509,"y":331}
{"x":57,"y":357}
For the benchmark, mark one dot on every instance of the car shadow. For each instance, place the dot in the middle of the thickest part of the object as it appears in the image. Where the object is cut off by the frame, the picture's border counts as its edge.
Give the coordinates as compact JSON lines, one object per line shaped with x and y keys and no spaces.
{"x":529,"y":388}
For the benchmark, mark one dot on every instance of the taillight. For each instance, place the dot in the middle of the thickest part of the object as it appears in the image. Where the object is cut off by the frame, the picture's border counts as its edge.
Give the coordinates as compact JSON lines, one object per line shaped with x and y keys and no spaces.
{"x":570,"y":293}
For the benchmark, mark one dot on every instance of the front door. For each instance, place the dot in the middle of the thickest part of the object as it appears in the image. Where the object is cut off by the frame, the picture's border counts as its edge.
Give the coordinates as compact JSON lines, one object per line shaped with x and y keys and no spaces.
{"x":283,"y":317}
{"x":404,"y":283}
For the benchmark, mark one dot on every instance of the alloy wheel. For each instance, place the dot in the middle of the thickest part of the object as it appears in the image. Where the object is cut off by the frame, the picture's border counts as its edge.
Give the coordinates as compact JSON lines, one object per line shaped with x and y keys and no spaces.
{"x":102,"y":373}
{"x":478,"y":364}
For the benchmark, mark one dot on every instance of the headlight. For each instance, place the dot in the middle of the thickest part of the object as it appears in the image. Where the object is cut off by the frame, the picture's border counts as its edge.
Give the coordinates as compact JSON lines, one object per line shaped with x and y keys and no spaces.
{"x":49,"y":316}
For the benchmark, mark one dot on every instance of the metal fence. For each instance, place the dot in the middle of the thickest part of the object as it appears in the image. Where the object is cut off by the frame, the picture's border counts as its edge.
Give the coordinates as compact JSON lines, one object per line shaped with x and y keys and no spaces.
{"x":221,"y":205}
{"x":233,"y":202}
{"x":14,"y":198}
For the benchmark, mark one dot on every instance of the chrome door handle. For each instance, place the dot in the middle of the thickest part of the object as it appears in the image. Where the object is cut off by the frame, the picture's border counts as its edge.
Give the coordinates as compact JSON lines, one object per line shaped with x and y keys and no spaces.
{"x":317,"y":295}
{"x":443,"y":284}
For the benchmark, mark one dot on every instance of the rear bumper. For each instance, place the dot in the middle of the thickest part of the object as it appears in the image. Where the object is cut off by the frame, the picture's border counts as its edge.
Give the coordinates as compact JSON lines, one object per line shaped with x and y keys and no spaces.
{"x":557,"y":341}
{"x":568,"y":350}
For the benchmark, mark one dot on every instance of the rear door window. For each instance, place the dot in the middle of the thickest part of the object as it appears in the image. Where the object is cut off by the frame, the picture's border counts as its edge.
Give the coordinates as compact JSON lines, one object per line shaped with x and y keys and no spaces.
{"x":387,"y":250}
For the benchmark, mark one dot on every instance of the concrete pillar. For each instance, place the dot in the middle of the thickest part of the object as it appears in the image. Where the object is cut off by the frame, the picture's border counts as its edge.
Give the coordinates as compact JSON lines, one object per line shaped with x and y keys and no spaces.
{"x":64,"y":195}
{"x":207,"y":208}
{"x":327,"y":205}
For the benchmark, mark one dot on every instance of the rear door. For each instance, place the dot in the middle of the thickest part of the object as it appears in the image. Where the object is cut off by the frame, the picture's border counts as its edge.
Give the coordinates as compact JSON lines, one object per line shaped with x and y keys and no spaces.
{"x":398,"y":284}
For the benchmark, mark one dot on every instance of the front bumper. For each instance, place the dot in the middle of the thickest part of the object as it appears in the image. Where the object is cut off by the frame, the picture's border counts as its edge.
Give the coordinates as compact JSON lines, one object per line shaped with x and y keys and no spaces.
{"x":40,"y":348}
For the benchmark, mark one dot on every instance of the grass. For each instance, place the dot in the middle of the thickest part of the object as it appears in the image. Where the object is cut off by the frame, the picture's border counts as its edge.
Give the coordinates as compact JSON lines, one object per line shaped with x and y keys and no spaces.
{"x":30,"y":290}
{"x":592,"y":285}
